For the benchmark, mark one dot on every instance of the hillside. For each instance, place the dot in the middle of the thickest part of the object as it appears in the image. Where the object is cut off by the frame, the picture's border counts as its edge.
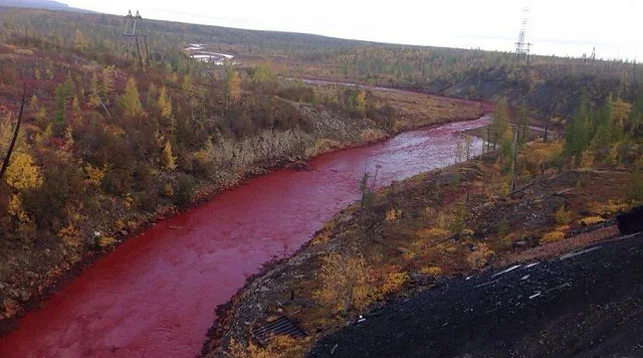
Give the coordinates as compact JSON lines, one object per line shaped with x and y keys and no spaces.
{"x":40,"y":4}
{"x":548,"y":85}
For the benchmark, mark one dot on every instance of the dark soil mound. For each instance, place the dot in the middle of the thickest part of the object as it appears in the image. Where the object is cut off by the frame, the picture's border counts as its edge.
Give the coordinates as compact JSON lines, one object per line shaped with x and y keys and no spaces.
{"x":631,"y":222}
{"x":584,"y":304}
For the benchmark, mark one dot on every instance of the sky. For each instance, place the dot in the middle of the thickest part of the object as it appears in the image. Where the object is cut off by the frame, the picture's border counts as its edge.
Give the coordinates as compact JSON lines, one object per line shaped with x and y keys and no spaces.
{"x":560,"y":27}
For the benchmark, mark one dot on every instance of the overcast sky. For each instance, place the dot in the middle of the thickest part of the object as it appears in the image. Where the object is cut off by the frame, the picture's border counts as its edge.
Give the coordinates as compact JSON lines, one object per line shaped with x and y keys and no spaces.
{"x":561,"y":27}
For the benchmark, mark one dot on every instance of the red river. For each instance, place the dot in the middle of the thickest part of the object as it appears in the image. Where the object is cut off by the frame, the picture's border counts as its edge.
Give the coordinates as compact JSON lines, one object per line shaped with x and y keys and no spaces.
{"x":155,"y":295}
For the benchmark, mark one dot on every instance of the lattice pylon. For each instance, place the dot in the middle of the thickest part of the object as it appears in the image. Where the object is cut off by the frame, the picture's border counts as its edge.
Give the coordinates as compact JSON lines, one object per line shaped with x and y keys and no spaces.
{"x":135,"y":28}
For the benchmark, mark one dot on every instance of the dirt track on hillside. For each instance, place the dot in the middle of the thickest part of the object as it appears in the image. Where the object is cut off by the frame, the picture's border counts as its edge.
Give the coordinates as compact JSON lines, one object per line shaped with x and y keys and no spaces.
{"x":581,"y":305}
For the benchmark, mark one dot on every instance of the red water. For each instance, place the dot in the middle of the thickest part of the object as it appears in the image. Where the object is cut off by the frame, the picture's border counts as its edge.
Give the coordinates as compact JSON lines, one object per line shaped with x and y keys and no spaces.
{"x":154,"y":295}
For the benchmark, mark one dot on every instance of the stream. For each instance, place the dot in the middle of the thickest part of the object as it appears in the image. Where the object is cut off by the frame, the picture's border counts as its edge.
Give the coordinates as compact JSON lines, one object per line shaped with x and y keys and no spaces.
{"x":155,"y":295}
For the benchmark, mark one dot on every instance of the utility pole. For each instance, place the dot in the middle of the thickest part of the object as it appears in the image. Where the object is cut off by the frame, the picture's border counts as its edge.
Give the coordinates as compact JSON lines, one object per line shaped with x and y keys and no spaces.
{"x":134,"y":28}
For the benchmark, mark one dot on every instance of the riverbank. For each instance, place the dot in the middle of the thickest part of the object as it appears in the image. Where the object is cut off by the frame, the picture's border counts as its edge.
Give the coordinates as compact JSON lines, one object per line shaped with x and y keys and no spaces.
{"x":416,"y":234}
{"x":171,"y":228}
{"x":25,"y":291}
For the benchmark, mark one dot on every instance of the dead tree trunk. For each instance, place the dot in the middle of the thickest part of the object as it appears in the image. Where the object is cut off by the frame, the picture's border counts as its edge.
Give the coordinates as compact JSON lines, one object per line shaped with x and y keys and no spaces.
{"x":5,"y":163}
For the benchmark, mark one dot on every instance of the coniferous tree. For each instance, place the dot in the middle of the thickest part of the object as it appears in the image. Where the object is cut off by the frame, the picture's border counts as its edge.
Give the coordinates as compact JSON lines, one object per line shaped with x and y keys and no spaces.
{"x":522,"y":125}
{"x":164,"y":103}
{"x":131,"y":102}
{"x":577,"y":136}
{"x":94,"y":92}
{"x":168,"y":161}
{"x":233,"y":86}
{"x":601,"y":134}
{"x":499,"y":122}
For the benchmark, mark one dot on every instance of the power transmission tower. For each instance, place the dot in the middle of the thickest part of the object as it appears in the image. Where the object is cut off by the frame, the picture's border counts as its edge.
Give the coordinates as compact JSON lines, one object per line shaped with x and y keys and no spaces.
{"x":522,"y":46}
{"x":134,"y":28}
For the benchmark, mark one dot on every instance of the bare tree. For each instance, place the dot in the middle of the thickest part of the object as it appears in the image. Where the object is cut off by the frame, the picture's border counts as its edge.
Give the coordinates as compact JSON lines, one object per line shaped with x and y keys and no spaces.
{"x":5,"y":163}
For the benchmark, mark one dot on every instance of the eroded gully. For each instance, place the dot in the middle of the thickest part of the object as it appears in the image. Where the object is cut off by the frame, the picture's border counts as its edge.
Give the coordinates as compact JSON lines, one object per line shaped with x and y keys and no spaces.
{"x":154,"y":295}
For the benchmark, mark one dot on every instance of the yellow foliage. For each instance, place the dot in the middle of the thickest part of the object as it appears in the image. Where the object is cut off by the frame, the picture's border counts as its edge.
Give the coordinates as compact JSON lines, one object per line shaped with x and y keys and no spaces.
{"x":393,"y":282}
{"x":425,"y":243}
{"x":164,"y":103}
{"x":591,"y":220}
{"x":552,"y":237}
{"x":372,"y":135}
{"x":187,"y":86}
{"x":167,"y":158}
{"x":168,"y":190}
{"x":393,"y":214}
{"x":280,"y":346}
{"x":562,"y":228}
{"x":467,"y":233}
{"x":94,"y":175}
{"x":105,"y":241}
{"x":129,"y":200}
{"x":432,"y":233}
{"x":563,"y":216}
{"x":8,"y":308}
{"x":344,"y":283}
{"x":444,"y":221}
{"x":323,"y":145}
{"x":621,"y":112}
{"x":131,"y":101}
{"x":109,"y":73}
{"x":233,"y":86}
{"x":94,"y":92}
{"x":587,"y":159}
{"x":15,"y":208}
{"x":434,"y":271}
{"x":539,"y":154}
{"x":360,"y":102}
{"x":70,"y":235}
{"x":348,"y":282}
{"x":23,"y":173}
{"x":480,"y":258}
{"x":80,"y":42}
{"x":613,"y":207}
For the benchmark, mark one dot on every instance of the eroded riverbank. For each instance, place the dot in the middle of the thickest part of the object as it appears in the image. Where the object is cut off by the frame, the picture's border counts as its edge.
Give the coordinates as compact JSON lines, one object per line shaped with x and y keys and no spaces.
{"x":31,"y":272}
{"x":154,"y":293}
